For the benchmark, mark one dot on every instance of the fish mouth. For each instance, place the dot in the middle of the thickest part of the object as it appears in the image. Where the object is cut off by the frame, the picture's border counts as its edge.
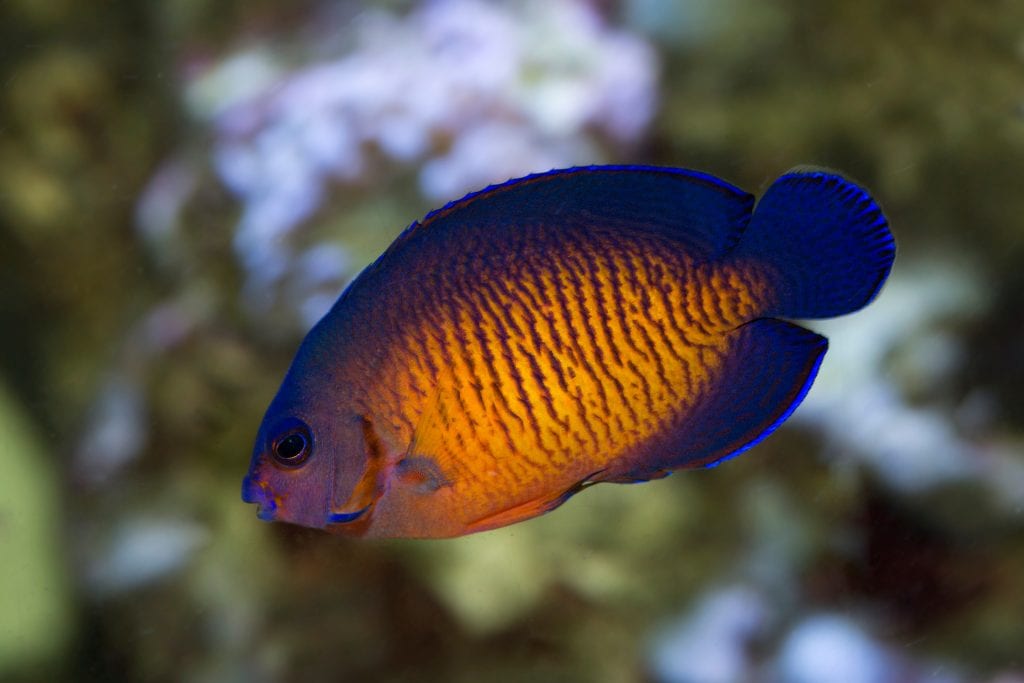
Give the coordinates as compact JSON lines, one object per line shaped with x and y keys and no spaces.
{"x":257,"y":492}
{"x":267,"y":512}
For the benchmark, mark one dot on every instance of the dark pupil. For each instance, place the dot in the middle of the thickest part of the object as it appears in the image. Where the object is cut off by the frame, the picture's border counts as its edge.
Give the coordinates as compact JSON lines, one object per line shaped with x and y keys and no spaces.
{"x":291,"y":446}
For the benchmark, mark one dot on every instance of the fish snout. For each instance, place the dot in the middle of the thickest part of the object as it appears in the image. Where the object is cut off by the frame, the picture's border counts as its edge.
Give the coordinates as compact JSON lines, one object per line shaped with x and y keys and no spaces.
{"x":255,"y":491}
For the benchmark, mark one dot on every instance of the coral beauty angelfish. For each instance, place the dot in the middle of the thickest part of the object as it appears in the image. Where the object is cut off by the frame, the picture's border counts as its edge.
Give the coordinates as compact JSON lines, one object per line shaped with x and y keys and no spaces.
{"x":599,"y":324}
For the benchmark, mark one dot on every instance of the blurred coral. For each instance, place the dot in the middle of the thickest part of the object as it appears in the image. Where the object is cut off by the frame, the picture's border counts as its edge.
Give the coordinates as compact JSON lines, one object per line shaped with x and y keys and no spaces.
{"x":467,"y":92}
{"x":186,"y":187}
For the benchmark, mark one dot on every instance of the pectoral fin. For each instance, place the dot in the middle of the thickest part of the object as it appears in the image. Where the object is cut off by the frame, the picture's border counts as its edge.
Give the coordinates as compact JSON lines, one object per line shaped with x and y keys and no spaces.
{"x":422,"y":473}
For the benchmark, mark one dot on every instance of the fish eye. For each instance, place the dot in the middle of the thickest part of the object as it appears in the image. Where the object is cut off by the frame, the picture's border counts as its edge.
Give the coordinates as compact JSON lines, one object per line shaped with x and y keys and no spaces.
{"x":293,"y":446}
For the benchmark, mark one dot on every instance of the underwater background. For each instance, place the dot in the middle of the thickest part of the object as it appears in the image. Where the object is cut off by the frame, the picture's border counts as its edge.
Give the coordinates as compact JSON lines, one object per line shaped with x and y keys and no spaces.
{"x":185,"y":187}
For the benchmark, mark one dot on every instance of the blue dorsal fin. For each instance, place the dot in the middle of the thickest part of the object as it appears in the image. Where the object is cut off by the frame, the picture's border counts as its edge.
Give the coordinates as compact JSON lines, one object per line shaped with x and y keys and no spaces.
{"x":769,"y":367}
{"x":703,"y":213}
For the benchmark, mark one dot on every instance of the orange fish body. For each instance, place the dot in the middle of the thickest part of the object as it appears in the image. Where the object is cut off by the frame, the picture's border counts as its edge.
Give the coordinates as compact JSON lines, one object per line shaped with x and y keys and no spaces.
{"x":607,"y":324}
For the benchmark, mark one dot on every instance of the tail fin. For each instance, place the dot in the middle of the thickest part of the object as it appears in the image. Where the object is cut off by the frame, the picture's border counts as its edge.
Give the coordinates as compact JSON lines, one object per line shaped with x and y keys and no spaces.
{"x":827,"y":239}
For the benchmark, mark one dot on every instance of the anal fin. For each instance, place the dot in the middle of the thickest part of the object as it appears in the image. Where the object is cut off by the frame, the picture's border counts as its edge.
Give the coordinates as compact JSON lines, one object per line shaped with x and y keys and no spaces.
{"x":769,"y":365}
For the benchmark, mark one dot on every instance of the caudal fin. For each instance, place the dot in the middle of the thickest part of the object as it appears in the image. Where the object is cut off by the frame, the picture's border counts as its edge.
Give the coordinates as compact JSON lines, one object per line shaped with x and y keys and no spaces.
{"x":827,"y":240}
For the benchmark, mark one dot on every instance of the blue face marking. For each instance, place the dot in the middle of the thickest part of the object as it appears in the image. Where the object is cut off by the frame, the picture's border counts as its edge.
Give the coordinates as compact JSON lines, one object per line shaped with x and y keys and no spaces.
{"x":344,"y":517}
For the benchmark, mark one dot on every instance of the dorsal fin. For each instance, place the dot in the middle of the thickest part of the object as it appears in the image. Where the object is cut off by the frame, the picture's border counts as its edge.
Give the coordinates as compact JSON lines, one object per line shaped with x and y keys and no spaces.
{"x":703,"y":213}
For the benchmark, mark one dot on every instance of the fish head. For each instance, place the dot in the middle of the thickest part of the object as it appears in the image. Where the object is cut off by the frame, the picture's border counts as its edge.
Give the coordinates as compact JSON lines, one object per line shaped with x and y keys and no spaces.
{"x":308,"y":453}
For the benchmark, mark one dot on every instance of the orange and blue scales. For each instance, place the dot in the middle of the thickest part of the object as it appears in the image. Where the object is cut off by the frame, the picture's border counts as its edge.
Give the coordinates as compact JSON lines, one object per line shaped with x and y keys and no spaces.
{"x":599,"y":324}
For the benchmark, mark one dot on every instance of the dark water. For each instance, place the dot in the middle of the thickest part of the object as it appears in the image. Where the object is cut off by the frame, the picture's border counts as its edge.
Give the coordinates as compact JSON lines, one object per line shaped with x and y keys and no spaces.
{"x":185,"y":187}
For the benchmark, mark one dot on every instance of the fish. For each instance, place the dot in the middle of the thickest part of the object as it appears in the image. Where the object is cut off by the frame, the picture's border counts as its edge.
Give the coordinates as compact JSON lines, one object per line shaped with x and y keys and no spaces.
{"x":600,"y":324}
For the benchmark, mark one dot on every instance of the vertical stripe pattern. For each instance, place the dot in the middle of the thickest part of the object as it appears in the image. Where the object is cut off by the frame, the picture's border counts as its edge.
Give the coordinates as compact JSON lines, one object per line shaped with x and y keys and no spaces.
{"x":558,"y":360}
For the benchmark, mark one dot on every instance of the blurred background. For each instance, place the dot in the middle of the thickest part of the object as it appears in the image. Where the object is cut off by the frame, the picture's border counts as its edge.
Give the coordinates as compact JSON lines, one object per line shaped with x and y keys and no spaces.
{"x":186,"y":186}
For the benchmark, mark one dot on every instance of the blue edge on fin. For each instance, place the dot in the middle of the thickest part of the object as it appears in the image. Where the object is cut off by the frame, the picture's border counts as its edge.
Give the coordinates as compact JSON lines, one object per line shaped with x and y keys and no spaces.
{"x":794,"y":404}
{"x":718,"y":184}
{"x":811,"y":376}
{"x":711,"y":180}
